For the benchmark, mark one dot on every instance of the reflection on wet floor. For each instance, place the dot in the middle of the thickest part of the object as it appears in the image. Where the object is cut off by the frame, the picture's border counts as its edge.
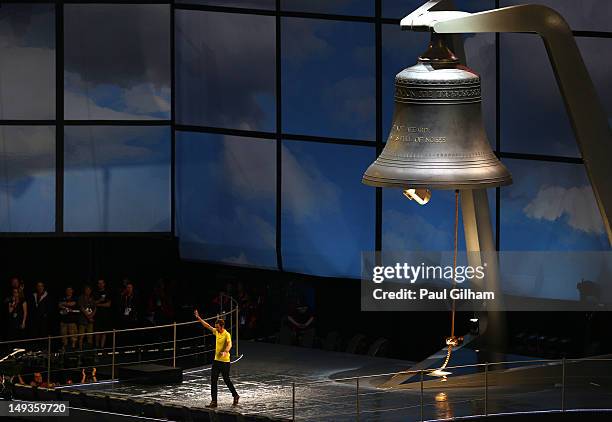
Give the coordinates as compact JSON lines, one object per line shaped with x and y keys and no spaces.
{"x":264,"y":380}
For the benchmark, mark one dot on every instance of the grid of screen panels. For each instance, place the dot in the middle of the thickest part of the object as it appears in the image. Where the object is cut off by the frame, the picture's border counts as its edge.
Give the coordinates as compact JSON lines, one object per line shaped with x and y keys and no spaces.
{"x":85,"y":118}
{"x":243,"y":127}
{"x":289,"y":101}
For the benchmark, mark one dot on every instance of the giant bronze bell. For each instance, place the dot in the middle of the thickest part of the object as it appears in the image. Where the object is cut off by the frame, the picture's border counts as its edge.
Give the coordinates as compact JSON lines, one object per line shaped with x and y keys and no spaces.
{"x":437,"y":139}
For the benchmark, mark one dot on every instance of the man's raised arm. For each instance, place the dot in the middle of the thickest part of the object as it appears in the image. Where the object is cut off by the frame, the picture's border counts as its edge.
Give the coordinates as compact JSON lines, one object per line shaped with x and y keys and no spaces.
{"x":204,"y":323}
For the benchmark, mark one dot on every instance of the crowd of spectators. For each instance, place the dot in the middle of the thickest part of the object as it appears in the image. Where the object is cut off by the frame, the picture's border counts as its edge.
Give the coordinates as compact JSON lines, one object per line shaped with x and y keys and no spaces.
{"x":79,"y":311}
{"x":250,"y":304}
{"x":83,"y":310}
{"x":82,"y":314}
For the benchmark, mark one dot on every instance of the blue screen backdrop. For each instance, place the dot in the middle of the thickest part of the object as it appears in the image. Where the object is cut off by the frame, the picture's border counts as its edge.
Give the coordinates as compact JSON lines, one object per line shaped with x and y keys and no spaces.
{"x":274,"y":122}
{"x":328,"y":214}
{"x":117,"y":179}
{"x":225,"y":199}
{"x":27,"y":179}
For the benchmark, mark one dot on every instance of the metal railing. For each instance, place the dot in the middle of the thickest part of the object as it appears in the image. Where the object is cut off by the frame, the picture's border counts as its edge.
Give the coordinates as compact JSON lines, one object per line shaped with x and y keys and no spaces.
{"x":115,"y":350}
{"x":361,"y":396}
{"x":418,"y":383}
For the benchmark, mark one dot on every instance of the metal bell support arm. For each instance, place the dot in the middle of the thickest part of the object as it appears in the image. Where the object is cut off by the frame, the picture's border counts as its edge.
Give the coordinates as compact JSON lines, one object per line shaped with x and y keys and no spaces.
{"x":586,"y":113}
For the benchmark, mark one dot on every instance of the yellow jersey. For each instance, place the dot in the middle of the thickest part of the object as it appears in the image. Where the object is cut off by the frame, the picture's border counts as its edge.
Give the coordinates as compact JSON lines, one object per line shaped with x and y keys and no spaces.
{"x":222,"y":340}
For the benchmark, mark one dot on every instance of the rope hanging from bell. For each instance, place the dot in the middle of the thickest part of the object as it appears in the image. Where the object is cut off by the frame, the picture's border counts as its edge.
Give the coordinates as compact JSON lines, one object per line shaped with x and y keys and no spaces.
{"x":452,"y":340}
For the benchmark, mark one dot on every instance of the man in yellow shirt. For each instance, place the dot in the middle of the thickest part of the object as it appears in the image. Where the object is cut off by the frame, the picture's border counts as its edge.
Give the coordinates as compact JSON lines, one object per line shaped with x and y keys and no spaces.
{"x":221,"y":364}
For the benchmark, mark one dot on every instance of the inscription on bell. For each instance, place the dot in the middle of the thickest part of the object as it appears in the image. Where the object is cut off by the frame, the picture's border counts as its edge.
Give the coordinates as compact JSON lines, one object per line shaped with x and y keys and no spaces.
{"x":404,"y":133}
{"x":411,"y":129}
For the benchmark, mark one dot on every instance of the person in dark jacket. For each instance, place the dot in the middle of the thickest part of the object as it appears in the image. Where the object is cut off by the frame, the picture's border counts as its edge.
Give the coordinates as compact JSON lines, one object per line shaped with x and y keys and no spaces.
{"x":39,"y":311}
{"x":159,"y":305}
{"x":129,"y":307}
{"x":104,"y":315}
{"x":130,"y":312}
{"x":17,"y":312}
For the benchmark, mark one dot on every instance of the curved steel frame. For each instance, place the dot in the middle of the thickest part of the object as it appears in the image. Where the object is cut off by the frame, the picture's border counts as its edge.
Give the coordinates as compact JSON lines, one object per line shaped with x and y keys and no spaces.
{"x":583,"y":106}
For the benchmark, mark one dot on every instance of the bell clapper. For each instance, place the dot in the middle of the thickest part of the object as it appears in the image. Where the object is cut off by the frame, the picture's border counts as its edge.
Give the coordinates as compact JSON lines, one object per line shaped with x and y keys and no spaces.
{"x":420,"y":196}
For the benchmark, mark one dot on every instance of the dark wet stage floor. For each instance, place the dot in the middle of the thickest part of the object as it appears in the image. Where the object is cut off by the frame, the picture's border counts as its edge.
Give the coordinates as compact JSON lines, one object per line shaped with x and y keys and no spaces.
{"x":266,"y":373}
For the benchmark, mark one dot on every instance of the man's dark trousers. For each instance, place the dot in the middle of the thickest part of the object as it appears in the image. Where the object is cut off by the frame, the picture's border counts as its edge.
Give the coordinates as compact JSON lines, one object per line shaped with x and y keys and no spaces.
{"x":222,"y":368}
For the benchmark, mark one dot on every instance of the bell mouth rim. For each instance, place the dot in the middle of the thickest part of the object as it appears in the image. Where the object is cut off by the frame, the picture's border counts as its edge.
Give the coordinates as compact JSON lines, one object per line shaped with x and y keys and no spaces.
{"x":442,"y":185}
